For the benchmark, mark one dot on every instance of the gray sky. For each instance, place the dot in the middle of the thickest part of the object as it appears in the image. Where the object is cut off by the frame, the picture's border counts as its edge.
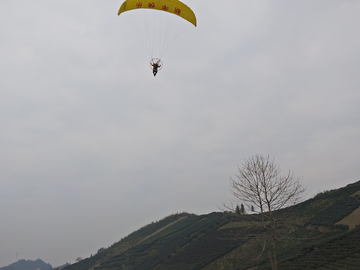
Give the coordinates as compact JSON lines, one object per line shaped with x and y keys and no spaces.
{"x":92,"y":146}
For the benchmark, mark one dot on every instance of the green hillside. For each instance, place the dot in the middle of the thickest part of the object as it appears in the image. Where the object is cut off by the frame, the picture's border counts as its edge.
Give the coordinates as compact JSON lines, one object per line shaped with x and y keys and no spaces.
{"x":28,"y":265}
{"x":320,"y":233}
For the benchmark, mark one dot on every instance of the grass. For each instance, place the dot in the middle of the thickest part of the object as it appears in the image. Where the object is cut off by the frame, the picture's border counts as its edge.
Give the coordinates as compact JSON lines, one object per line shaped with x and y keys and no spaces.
{"x":351,"y":220}
{"x":238,"y":224}
{"x":356,"y":193}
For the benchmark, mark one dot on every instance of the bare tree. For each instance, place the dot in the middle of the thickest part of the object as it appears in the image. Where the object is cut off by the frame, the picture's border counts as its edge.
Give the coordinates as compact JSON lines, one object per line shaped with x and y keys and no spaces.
{"x":260,"y":186}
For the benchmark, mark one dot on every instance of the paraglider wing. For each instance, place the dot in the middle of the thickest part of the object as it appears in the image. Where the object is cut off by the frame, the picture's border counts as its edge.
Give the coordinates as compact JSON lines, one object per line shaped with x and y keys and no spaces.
{"x":171,"y":6}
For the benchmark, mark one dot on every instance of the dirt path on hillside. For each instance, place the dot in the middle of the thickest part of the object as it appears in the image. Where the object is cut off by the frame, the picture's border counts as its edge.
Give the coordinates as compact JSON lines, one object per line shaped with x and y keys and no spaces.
{"x":163,"y":228}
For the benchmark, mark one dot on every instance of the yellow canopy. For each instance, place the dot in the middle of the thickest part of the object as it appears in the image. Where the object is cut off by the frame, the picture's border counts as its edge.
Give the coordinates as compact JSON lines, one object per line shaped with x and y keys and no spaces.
{"x":172,"y":6}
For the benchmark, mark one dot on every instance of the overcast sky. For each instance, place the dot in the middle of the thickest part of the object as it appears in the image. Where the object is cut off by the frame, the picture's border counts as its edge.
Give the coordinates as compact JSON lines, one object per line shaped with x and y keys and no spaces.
{"x":92,"y":146}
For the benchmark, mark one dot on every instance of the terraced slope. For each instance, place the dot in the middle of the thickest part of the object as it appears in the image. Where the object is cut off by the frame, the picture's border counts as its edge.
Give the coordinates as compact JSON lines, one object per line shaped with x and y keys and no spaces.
{"x":320,"y":233}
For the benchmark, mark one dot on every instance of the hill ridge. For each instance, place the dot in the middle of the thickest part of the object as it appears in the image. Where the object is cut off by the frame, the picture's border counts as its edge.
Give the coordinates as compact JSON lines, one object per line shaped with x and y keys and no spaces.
{"x":208,"y":242}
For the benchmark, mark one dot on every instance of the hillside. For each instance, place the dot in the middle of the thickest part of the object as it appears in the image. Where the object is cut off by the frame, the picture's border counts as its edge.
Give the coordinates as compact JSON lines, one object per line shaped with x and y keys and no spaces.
{"x":28,"y":265}
{"x":320,"y":233}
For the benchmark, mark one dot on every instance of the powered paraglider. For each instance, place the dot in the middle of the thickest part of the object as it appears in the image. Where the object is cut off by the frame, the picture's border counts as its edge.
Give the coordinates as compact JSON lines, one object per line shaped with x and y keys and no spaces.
{"x":170,"y":6}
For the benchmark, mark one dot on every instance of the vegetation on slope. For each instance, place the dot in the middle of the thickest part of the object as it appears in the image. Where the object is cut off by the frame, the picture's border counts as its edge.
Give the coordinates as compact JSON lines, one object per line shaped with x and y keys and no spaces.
{"x":28,"y":265}
{"x":230,"y":241}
